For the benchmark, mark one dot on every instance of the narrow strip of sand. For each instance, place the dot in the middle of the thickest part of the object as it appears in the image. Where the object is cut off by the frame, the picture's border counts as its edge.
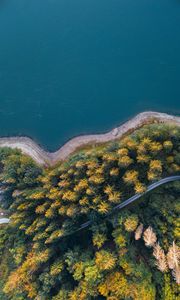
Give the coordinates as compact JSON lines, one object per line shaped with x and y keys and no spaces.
{"x":29,"y":147}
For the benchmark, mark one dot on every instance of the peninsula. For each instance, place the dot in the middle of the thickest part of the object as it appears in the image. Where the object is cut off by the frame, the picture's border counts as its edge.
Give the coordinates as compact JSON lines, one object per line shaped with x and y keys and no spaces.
{"x":98,"y":219}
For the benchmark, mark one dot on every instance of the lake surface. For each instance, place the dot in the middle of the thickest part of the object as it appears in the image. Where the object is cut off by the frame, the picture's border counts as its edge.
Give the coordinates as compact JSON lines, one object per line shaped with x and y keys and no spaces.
{"x":69,"y":67}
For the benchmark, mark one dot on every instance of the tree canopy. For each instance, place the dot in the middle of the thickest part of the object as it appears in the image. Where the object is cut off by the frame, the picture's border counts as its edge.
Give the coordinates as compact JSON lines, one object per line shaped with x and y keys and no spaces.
{"x":133,"y":254}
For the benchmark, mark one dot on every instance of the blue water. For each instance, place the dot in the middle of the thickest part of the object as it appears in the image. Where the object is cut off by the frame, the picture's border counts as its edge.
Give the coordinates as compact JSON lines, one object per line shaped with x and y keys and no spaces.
{"x":69,"y":67}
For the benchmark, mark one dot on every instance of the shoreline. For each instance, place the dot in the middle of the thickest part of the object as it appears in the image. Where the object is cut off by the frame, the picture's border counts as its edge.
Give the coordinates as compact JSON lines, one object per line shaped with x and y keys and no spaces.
{"x":42,"y":157}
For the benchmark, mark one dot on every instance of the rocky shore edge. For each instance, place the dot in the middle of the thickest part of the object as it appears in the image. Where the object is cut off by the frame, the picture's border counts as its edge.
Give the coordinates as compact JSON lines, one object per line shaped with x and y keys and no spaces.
{"x":42,"y":157}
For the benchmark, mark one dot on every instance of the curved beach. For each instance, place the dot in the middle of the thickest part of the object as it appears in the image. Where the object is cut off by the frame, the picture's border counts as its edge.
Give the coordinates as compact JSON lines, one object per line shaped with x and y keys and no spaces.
{"x":42,"y":157}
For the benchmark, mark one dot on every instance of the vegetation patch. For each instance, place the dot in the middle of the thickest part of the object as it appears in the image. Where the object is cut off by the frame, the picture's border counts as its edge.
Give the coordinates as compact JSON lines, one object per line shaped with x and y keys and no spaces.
{"x":132,"y":254}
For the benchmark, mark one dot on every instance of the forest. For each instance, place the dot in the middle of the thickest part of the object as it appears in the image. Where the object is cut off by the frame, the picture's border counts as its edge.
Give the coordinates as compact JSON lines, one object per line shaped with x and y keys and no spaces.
{"x":131,"y":254}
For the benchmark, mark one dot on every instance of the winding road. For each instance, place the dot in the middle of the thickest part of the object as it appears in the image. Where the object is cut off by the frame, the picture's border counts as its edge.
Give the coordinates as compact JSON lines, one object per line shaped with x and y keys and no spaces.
{"x":135,"y":197}
{"x":125,"y":203}
{"x":4,"y":221}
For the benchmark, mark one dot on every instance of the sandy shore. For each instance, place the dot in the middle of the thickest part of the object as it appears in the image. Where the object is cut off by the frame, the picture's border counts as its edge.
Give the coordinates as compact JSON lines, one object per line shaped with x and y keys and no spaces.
{"x":29,"y":147}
